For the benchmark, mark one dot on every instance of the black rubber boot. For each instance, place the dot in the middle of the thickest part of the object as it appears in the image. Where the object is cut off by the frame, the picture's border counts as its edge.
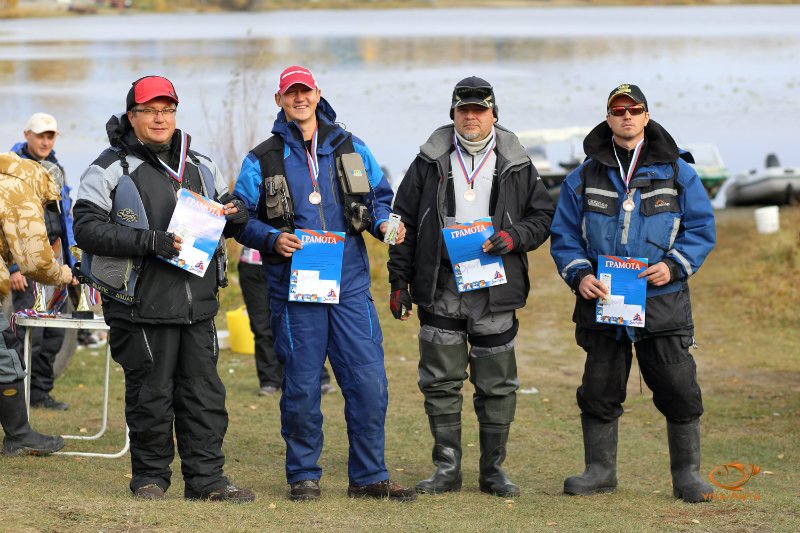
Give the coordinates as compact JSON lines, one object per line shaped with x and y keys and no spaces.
{"x":684,"y":459}
{"x":446,"y":431}
{"x":492,"y":479}
{"x":20,"y":439}
{"x":600,"y":456}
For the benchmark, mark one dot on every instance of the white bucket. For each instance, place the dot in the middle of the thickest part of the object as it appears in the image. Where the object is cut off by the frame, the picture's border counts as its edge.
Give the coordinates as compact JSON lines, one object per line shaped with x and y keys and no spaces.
{"x":767,"y":219}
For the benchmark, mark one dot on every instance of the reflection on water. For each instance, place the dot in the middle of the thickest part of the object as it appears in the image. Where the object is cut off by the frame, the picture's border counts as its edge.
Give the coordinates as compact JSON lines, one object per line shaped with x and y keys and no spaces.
{"x":392,"y":91}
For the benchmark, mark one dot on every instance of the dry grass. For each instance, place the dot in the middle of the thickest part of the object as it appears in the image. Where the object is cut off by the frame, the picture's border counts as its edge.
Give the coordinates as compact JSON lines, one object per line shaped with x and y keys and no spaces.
{"x":746,"y":315}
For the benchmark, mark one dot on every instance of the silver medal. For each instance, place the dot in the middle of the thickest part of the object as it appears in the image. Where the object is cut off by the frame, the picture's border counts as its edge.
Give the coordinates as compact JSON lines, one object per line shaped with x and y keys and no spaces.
{"x":628,"y":205}
{"x":469,"y":195}
{"x":315,"y":198}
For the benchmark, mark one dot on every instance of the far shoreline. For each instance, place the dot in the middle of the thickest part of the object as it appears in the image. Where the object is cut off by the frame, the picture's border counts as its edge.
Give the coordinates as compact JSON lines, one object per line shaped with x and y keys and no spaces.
{"x":77,"y":9}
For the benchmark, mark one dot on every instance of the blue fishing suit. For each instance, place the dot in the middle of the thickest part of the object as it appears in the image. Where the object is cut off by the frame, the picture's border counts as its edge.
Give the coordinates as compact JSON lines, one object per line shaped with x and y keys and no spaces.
{"x":348,"y":333}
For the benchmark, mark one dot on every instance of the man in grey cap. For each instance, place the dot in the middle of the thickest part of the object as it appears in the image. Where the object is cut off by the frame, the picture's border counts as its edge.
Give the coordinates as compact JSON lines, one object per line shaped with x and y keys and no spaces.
{"x":468,"y":170}
{"x":40,"y":134}
{"x":635,"y":197}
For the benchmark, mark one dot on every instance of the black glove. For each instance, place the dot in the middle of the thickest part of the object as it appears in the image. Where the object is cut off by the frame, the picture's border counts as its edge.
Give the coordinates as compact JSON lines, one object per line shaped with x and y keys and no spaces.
{"x":162,"y":244}
{"x":399,"y":303}
{"x":502,"y":243}
{"x":241,"y":216}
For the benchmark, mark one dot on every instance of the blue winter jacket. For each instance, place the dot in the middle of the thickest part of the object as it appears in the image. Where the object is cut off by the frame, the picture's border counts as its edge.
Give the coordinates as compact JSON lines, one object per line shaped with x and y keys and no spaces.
{"x":21,"y":149}
{"x":672,"y":221}
{"x":328,"y":215}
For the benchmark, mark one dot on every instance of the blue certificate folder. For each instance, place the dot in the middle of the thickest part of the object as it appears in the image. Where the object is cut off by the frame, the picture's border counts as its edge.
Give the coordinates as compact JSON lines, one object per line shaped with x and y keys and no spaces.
{"x":473,"y":268}
{"x":199,"y":221}
{"x":316,"y":272}
{"x":625,"y":303}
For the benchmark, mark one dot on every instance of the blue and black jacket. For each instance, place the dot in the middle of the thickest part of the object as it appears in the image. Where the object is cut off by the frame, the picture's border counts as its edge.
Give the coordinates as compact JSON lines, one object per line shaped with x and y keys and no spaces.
{"x":64,"y":216}
{"x":672,"y":221}
{"x":328,"y":215}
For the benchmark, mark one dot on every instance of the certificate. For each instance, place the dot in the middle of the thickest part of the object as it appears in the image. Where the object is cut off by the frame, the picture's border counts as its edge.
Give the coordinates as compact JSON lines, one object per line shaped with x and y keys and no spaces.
{"x":473,"y":268}
{"x":627,"y":293}
{"x":199,"y":221}
{"x":316,"y":271}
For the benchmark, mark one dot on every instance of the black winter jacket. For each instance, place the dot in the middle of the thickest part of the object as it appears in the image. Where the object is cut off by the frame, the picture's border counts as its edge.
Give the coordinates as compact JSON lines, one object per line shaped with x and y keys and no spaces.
{"x":164,"y":294}
{"x":518,"y":204}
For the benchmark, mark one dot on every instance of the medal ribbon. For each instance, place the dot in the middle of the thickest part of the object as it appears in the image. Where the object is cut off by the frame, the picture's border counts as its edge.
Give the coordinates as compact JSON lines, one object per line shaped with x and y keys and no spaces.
{"x":313,"y":162}
{"x":178,"y":176}
{"x":626,"y":178}
{"x":470,"y":177}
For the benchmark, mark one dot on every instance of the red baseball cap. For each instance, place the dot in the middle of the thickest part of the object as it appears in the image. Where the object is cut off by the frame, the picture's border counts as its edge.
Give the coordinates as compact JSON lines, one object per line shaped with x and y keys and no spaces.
{"x":145,"y":89}
{"x":296,"y":74}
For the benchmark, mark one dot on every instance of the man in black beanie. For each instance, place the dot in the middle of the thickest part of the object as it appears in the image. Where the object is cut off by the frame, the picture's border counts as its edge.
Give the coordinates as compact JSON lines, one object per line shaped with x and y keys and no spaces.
{"x":468,"y":170}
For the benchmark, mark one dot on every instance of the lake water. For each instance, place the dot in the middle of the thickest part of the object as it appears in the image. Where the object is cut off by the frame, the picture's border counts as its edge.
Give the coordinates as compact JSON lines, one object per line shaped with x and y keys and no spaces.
{"x":726,"y":74}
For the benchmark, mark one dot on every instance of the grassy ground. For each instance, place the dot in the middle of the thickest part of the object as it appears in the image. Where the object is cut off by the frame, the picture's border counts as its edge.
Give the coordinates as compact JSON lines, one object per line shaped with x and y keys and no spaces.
{"x":746,"y":302}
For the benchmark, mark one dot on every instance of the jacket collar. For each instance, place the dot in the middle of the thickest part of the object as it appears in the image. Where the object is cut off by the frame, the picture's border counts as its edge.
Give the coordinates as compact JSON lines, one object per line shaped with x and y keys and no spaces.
{"x":661,"y":147}
{"x":510,"y":151}
{"x":121,"y":136}
{"x":21,"y":149}
{"x":329,"y":136}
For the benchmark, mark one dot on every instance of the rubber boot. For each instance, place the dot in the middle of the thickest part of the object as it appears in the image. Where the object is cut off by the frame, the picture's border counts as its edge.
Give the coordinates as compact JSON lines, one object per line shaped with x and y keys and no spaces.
{"x":600,"y":457}
{"x":446,"y":455}
{"x":492,"y":479}
{"x":684,"y":459}
{"x":20,"y":439}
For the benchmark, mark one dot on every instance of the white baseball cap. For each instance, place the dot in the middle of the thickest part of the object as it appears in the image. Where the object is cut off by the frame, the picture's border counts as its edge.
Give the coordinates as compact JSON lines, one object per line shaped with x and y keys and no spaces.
{"x":41,"y":122}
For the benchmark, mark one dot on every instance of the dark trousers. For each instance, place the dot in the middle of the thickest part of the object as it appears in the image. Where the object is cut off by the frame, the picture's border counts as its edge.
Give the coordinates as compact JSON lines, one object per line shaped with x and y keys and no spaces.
{"x":256,"y":299}
{"x":667,"y":368}
{"x":45,"y":345}
{"x":171,"y":379}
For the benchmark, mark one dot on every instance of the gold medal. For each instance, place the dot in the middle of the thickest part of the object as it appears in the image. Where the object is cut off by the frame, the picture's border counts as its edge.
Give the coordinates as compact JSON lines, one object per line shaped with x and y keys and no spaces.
{"x":628,"y":205}
{"x":469,"y":195}
{"x":315,"y":198}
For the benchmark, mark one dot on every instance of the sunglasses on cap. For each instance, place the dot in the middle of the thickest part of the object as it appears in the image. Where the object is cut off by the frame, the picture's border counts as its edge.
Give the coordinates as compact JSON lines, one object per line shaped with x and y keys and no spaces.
{"x":476,"y":93}
{"x":619,"y":110}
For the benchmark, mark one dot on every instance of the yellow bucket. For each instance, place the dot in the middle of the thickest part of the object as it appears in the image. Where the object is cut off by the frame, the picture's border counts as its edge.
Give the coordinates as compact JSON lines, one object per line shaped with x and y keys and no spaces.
{"x":241,"y":337}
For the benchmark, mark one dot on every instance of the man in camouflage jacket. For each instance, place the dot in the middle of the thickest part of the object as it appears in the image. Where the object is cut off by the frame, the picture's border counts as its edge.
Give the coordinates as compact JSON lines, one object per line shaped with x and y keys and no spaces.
{"x":25,"y":187}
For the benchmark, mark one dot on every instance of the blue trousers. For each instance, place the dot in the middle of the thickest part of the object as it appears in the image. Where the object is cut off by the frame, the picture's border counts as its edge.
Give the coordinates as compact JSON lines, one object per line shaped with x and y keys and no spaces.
{"x":349,"y":334}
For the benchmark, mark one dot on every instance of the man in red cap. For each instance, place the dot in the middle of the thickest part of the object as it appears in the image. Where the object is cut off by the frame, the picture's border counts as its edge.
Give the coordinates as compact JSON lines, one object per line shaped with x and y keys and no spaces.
{"x":291,"y":181}
{"x":161,"y":317}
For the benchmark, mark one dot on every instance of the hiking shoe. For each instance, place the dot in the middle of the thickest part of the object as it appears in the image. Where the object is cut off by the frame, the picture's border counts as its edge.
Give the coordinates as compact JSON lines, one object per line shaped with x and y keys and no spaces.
{"x":228,"y":493}
{"x":327,"y":388}
{"x":267,"y":390}
{"x":383,"y":490}
{"x":48,"y":402}
{"x":151,"y":491}
{"x":304,"y":491}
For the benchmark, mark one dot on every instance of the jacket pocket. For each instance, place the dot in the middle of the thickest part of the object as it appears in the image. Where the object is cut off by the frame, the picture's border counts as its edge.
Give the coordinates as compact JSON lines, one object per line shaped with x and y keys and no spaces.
{"x":668,"y":312}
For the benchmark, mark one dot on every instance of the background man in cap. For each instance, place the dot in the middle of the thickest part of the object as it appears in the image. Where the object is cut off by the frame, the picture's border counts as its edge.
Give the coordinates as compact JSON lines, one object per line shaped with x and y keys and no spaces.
{"x":299,"y":166}
{"x":634,"y":196}
{"x":164,"y":336}
{"x":467,"y":170}
{"x":40,"y":135}
{"x":24,"y":189}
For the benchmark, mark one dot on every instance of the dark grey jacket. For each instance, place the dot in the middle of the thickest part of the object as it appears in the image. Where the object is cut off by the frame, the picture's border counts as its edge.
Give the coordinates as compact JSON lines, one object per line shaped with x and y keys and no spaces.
{"x":518,"y":204}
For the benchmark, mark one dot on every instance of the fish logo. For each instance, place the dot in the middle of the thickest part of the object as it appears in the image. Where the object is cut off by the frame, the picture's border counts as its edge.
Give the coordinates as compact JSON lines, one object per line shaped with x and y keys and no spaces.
{"x":720,"y":474}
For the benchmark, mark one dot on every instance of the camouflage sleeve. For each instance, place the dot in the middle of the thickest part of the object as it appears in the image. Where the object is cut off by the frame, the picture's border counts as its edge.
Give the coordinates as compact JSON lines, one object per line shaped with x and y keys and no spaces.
{"x":26,"y":234}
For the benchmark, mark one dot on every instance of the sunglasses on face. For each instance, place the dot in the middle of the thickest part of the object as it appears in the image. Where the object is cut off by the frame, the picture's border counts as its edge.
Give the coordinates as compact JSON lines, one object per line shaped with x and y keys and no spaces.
{"x":619,"y":110}
{"x":481,"y":93}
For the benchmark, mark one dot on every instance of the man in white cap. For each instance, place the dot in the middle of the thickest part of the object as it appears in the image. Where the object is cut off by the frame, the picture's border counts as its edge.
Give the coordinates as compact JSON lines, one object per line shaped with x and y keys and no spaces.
{"x":40,"y":135}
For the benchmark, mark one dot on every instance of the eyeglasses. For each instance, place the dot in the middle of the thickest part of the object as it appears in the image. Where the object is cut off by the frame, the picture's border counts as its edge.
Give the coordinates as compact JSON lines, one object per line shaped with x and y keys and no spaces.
{"x":619,"y":110}
{"x":152,"y":113}
{"x":480,"y":93}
